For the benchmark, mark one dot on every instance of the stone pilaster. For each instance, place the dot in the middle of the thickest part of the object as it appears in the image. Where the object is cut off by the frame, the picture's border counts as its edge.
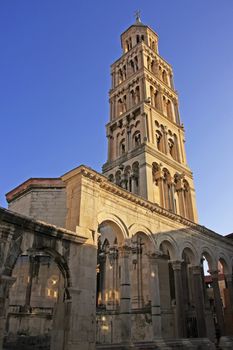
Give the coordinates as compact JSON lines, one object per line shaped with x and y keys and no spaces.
{"x":145,"y":127}
{"x":125,"y":295}
{"x":31,"y":264}
{"x":218,"y":302}
{"x":180,"y":312}
{"x":228,"y":278}
{"x":5,"y":284}
{"x":199,"y":300}
{"x":155,"y":296}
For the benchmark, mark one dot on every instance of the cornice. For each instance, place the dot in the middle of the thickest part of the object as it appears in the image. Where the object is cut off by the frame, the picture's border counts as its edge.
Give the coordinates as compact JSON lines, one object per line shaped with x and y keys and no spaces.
{"x":165,"y":118}
{"x":34,"y":183}
{"x":166,"y":160}
{"x":144,"y":25}
{"x":105,"y":184}
{"x":37,"y":226}
{"x":130,"y":155}
{"x":157,"y":55}
{"x":125,"y":55}
{"x":127,"y":83}
{"x":130,"y":113}
{"x":158,"y":82}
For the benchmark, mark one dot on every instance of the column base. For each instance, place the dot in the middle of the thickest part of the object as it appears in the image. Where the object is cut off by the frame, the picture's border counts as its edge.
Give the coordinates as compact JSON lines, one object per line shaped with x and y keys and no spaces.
{"x":226,"y":343}
{"x":164,"y":344}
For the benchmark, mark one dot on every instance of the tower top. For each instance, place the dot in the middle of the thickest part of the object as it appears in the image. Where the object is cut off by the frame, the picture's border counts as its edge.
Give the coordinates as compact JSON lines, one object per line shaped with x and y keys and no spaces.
{"x":138,"y":16}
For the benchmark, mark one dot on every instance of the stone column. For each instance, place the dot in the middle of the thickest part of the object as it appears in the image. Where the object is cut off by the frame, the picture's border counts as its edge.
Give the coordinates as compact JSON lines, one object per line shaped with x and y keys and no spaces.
{"x":176,"y":110}
{"x":109,"y":147}
{"x":155,"y":296}
{"x":228,"y":311}
{"x":125,"y":299}
{"x":145,"y":127}
{"x":228,"y":277}
{"x":133,"y":184}
{"x":128,"y":140}
{"x":179,"y":189}
{"x":27,"y":306}
{"x":159,"y":178}
{"x":199,"y":300}
{"x":173,"y":112}
{"x":180,"y":311}
{"x":160,"y":100}
{"x":218,"y":301}
{"x":124,"y":181}
{"x":116,"y":114}
{"x":5,"y":284}
{"x":165,"y":140}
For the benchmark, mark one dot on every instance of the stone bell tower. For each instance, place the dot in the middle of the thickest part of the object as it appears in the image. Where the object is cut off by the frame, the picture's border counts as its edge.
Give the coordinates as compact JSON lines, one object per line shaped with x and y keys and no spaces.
{"x":146,"y":153}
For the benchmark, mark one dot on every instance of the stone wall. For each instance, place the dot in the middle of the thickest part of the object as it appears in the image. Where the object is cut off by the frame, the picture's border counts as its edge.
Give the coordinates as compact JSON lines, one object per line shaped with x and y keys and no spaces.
{"x":48,"y":205}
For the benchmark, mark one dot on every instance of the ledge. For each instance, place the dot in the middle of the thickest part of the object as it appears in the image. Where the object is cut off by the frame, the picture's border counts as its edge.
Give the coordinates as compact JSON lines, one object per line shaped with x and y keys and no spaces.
{"x":153,"y":207}
{"x":26,"y":223}
{"x":33,"y":183}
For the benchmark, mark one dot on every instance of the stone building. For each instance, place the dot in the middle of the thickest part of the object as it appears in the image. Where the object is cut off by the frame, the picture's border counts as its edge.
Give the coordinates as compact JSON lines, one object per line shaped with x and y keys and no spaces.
{"x":89,"y":260}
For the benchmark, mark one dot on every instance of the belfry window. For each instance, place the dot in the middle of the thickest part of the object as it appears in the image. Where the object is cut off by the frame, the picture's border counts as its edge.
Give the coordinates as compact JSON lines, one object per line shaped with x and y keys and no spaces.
{"x":169,"y":110}
{"x":171,"y":148}
{"x":136,"y":63}
{"x":122,"y":147}
{"x":137,"y":139}
{"x":159,"y":140}
{"x":137,"y":95}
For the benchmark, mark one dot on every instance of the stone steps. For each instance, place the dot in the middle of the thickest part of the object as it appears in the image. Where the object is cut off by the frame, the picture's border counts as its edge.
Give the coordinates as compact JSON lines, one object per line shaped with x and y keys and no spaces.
{"x":163,"y":344}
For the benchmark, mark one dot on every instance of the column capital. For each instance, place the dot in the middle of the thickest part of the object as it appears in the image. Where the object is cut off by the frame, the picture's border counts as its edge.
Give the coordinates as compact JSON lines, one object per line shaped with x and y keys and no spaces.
{"x":124,"y":250}
{"x":214,"y":273}
{"x":153,"y":256}
{"x":196,"y":269}
{"x":176,"y":264}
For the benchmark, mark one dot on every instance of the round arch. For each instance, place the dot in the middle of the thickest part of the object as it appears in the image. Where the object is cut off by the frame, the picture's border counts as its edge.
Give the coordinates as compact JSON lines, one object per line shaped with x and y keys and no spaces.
{"x":168,"y":243}
{"x":109,"y":217}
{"x":225,"y":262}
{"x":189,"y":249}
{"x":210,"y":257}
{"x":60,"y":261}
{"x":135,"y":229}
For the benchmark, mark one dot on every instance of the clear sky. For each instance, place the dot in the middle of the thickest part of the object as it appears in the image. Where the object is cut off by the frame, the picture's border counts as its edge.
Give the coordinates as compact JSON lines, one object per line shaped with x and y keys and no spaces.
{"x":55,"y":77}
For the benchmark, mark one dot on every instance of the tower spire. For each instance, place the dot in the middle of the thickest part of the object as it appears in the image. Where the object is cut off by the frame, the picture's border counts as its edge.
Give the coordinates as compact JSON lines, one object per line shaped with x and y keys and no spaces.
{"x":138,"y":16}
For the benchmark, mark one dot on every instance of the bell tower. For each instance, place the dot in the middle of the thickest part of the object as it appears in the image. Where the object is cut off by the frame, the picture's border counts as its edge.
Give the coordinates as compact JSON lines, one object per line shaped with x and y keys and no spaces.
{"x":146,"y":153}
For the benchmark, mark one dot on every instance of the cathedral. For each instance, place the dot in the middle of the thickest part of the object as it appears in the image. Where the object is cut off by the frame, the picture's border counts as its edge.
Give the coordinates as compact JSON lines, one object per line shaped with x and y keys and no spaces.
{"x":118,"y":260}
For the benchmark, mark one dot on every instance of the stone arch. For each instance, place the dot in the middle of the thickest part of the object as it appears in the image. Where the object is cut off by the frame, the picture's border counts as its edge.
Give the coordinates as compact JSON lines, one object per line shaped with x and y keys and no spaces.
{"x":53,"y":253}
{"x":225,"y":262}
{"x":167,"y":243}
{"x":210,"y":257}
{"x":36,"y":247}
{"x":112,"y":231}
{"x":114,"y":219}
{"x":137,"y":228}
{"x":189,"y":249}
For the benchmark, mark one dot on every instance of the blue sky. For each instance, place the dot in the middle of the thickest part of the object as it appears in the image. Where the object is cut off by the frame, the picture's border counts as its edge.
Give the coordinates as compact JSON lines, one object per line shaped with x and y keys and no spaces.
{"x":55,"y":77}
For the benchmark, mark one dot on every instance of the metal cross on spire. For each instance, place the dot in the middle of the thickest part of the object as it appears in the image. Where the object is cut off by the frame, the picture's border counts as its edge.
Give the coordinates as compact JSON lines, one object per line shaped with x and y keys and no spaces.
{"x":138,"y":15}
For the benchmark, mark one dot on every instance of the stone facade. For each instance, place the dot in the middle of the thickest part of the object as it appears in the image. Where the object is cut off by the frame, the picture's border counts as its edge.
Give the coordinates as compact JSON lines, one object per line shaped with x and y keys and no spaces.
{"x":117,"y":260}
{"x":41,"y":199}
